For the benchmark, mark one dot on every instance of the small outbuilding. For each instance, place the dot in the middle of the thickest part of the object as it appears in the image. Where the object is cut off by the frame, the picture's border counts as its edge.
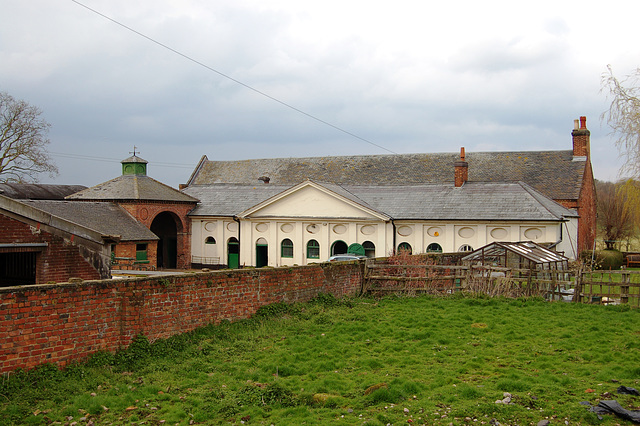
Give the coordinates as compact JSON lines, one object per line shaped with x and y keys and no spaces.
{"x":529,"y":268}
{"x":518,"y":255}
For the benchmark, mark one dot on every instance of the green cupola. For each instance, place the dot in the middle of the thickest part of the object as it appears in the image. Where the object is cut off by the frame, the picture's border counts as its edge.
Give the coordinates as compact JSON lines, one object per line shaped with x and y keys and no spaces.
{"x":134,"y":166}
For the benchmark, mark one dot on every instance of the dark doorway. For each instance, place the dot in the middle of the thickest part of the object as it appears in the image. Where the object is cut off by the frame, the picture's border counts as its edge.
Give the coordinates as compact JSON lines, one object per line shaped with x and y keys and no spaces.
{"x":17,"y":269}
{"x":339,"y":247}
{"x":164,"y":226}
{"x":233,"y":253}
{"x":262,"y":253}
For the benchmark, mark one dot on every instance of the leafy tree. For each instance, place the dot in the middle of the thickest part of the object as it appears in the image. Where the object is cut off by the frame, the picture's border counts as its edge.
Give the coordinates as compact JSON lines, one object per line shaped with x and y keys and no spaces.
{"x":615,"y":218}
{"x":624,"y":117}
{"x":23,"y":141}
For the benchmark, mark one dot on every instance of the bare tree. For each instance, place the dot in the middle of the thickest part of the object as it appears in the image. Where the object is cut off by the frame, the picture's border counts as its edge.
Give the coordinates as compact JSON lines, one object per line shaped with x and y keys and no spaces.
{"x":624,"y":117}
{"x":23,"y":141}
{"x":615,"y":218}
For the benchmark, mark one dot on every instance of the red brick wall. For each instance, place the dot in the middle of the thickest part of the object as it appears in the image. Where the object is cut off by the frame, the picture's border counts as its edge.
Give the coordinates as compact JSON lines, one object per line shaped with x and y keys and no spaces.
{"x":64,"y":257}
{"x":145,"y":212}
{"x":66,"y":322}
{"x":587,"y":210}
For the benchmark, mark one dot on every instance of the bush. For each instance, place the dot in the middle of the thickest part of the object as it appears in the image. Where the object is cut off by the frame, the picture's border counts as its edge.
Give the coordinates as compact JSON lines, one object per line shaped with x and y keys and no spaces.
{"x":609,"y":259}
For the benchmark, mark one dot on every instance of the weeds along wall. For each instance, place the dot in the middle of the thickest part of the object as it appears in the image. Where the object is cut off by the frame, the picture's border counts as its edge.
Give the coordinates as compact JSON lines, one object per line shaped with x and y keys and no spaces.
{"x":61,"y":323}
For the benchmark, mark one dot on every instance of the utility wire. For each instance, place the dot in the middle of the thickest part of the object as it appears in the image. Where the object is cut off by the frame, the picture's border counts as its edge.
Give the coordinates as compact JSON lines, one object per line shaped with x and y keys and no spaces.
{"x":115,"y":160}
{"x":233,"y":79}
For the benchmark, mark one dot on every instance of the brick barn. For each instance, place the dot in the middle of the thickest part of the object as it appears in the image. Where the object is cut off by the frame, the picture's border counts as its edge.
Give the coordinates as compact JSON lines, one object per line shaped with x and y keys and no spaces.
{"x":52,"y":240}
{"x":157,"y":206}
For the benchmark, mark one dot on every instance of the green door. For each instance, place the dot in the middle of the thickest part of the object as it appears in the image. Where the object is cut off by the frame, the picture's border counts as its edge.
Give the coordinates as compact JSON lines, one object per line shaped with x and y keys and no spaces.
{"x":233,"y":253}
{"x":262,"y":255}
{"x":356,"y":249}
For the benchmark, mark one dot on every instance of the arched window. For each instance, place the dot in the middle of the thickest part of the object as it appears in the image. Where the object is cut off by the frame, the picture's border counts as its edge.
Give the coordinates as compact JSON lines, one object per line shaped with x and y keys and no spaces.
{"x":465,"y":248}
{"x":339,"y":247}
{"x":210,"y":240}
{"x":369,"y":249}
{"x":406,"y":247}
{"x":434,"y":248}
{"x":286,"y":248}
{"x":313,"y":250}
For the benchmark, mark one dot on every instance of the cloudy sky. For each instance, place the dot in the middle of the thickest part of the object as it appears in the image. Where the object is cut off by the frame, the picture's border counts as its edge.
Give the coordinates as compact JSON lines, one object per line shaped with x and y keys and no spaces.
{"x":241,"y":79}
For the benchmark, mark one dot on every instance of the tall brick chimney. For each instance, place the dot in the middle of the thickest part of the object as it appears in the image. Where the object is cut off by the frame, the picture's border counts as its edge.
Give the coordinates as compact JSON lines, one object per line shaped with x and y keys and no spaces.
{"x":461,"y":170}
{"x":581,"y":138}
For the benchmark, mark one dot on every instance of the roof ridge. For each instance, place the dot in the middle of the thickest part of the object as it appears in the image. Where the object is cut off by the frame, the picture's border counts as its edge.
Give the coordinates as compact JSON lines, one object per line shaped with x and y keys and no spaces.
{"x":447,"y":153}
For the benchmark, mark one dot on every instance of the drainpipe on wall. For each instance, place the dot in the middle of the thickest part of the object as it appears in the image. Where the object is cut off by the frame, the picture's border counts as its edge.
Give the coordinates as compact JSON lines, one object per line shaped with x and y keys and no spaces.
{"x":235,"y":219}
{"x":393,"y":224}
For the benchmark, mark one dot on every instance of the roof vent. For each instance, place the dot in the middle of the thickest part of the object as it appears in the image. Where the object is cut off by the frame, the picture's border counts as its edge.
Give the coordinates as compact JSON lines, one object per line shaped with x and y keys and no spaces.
{"x":264,"y":179}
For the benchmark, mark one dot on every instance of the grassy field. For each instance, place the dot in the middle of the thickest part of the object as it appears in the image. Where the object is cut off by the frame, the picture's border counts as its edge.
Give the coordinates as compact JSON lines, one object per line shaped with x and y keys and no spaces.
{"x":394,"y":361}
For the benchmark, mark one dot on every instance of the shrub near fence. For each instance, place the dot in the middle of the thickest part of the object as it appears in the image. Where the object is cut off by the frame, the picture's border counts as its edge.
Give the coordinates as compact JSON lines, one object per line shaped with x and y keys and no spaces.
{"x":61,"y":323}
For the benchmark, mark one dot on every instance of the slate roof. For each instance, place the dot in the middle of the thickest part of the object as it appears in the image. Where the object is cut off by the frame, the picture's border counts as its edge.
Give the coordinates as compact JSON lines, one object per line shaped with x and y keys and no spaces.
{"x":472,"y":201}
{"x":102,"y":217}
{"x":230,"y":199}
{"x":38,"y":191}
{"x":557,"y":174}
{"x":132,"y":187}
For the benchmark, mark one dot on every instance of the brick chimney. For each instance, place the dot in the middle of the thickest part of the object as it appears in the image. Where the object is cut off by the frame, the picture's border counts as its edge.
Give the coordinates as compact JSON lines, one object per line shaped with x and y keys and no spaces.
{"x":581,"y":138}
{"x":461,"y":170}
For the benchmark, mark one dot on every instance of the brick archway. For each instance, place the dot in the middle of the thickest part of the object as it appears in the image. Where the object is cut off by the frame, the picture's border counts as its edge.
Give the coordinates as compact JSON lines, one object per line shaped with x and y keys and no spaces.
{"x":167,"y":226}
{"x":147,"y":212}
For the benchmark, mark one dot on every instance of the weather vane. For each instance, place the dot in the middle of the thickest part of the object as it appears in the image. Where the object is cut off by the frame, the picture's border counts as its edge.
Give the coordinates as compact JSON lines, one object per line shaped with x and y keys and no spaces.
{"x":134,"y":151}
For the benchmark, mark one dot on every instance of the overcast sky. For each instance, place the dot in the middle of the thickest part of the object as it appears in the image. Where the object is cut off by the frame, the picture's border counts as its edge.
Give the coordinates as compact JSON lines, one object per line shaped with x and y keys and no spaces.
{"x":408,"y":76}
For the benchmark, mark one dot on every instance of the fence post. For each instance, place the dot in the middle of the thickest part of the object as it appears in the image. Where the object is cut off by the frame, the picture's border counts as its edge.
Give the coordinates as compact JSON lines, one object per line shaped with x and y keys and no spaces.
{"x":577,"y":291}
{"x":624,"y":287}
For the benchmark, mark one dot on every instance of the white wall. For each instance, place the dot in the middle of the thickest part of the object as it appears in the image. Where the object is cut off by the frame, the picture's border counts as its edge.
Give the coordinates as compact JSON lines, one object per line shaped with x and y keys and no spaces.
{"x":419,"y":234}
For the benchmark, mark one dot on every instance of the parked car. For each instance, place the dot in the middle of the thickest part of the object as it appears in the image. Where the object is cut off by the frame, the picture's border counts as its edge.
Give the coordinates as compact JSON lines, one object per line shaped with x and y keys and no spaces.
{"x":343,"y":257}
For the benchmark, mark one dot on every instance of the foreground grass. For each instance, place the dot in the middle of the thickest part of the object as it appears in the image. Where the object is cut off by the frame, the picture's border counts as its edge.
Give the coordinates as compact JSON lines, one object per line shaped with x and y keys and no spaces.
{"x":393,"y":361}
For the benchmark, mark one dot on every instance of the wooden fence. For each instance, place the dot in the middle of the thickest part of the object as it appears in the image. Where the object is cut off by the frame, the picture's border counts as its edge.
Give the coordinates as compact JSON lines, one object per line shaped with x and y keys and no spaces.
{"x":582,"y":286}
{"x":383,"y":278}
{"x":608,"y":287}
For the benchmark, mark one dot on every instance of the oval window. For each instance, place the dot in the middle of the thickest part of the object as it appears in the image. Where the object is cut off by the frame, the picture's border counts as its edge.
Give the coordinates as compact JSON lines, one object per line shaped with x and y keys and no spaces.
{"x":262,"y":227}
{"x":368,"y":230}
{"x":466,"y":232}
{"x":499,"y":233}
{"x":533,"y":233}
{"x":405,"y":231}
{"x":434,"y":231}
{"x":286,"y":228}
{"x":339,"y":229}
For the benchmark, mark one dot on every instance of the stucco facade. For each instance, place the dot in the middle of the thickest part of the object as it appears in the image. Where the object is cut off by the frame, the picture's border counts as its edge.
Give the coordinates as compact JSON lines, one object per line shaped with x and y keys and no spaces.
{"x":309,"y":222}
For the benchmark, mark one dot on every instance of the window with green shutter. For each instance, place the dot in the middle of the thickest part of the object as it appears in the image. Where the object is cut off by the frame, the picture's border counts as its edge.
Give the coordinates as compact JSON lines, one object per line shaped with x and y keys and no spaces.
{"x":141,"y":252}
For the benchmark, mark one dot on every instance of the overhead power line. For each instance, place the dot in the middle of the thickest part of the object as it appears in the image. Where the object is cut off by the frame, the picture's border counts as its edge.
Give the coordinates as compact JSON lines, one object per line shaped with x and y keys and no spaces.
{"x":313,"y":117}
{"x":115,"y":160}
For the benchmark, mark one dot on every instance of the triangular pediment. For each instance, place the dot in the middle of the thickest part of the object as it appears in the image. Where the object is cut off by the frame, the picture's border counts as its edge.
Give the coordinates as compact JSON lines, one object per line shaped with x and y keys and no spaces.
{"x":312,"y":200}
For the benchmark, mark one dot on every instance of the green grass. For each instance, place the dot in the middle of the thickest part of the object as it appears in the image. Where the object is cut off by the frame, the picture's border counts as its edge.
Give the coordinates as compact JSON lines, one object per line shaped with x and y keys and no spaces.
{"x":364,"y":361}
